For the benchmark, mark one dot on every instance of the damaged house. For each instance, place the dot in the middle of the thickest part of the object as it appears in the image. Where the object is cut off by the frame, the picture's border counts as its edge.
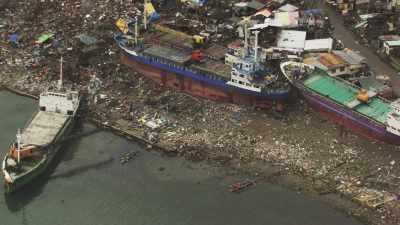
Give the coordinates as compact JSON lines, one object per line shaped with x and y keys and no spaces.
{"x":345,"y":63}
{"x":347,"y":6}
{"x":389,"y":45}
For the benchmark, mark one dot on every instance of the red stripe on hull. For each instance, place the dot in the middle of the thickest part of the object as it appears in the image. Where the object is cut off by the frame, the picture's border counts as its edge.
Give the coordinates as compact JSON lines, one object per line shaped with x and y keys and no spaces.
{"x":198,"y":88}
{"x":357,"y":128}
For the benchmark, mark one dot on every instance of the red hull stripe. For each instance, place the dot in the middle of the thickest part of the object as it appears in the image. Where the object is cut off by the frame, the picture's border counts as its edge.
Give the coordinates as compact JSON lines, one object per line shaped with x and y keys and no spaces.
{"x":198,"y":88}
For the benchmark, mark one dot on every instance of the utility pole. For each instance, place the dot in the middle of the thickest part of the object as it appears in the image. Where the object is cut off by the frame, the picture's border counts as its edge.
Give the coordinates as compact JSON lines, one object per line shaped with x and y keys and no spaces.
{"x":60,"y":82}
{"x":245,"y":39}
{"x":145,"y":15}
{"x":136,"y":30}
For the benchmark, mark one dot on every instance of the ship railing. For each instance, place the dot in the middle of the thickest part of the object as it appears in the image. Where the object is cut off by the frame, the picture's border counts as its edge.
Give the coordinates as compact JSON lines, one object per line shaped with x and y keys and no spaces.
{"x":30,"y":120}
{"x":163,"y":60}
{"x":173,"y":46}
{"x":171,"y":64}
{"x":183,"y":68}
{"x":62,"y":128}
{"x":277,"y":91}
{"x":205,"y":73}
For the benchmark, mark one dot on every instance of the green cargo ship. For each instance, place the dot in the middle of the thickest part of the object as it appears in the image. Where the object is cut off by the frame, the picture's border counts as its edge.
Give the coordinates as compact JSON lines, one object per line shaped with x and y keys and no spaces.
{"x":362,"y":111}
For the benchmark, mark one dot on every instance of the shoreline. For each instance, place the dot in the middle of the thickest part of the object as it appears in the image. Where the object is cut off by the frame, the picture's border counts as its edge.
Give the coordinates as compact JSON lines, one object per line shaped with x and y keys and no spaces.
{"x":18,"y":92}
{"x":263,"y":171}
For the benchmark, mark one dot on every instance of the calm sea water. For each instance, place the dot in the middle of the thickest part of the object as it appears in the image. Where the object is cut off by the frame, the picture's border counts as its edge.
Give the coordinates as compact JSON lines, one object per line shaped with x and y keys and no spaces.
{"x":89,"y":186}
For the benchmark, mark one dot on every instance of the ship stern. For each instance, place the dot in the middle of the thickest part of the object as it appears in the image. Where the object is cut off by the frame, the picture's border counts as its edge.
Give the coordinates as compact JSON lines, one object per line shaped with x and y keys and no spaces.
{"x":8,"y":181}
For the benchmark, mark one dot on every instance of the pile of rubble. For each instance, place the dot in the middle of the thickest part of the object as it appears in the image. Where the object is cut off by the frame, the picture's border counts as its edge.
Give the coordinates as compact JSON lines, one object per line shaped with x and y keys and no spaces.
{"x":80,"y":31}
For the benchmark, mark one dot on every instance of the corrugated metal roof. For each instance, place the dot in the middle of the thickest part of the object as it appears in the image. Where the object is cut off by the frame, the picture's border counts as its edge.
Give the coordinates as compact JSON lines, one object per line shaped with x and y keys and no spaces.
{"x":318,"y":44}
{"x":389,"y":37}
{"x":393,"y":43}
{"x":291,"y":39}
{"x":287,"y":19}
{"x":312,"y":12}
{"x":264,"y":12}
{"x":288,"y":8}
{"x":313,"y":61}
{"x":362,"y":24}
{"x":367,"y":16}
{"x":370,"y":83}
{"x":253,"y":4}
{"x":350,"y":56}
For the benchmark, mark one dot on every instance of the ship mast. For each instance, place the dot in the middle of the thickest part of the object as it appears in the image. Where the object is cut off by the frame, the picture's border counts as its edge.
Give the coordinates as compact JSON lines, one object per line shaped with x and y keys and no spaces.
{"x":60,"y":82}
{"x":19,"y":145}
{"x":136,"y":30}
{"x":245,"y":40}
{"x":256,"y":45}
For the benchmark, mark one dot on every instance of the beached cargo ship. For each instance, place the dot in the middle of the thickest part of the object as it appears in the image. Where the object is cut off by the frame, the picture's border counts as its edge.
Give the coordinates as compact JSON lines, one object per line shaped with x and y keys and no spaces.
{"x":362,"y":111}
{"x":236,"y":74}
{"x":37,"y":144}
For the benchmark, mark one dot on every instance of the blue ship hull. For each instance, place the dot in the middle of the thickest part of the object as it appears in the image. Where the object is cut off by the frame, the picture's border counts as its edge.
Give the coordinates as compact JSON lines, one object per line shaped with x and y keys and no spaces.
{"x":198,"y":83}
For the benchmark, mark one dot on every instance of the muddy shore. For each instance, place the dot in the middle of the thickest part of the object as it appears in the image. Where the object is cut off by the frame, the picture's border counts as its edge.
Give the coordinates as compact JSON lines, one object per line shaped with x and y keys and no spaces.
{"x":286,"y":167}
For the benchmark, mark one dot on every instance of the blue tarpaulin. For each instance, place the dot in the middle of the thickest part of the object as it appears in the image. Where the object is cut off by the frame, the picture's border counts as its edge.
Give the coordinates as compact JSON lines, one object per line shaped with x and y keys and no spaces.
{"x":201,"y":2}
{"x":312,"y":12}
{"x":13,"y":38}
{"x":154,"y":16}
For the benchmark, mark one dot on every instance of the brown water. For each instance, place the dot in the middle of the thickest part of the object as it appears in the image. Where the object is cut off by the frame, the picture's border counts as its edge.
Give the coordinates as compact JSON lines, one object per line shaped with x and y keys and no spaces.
{"x":89,"y":186}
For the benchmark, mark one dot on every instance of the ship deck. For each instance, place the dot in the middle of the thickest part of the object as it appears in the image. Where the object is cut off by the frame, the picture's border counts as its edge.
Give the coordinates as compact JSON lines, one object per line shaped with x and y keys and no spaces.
{"x":344,"y":94}
{"x":168,"y":54}
{"x":176,"y":47}
{"x":214,"y":67}
{"x":168,"y":40}
{"x":43,"y":128}
{"x":216,"y":52}
{"x":26,"y":165}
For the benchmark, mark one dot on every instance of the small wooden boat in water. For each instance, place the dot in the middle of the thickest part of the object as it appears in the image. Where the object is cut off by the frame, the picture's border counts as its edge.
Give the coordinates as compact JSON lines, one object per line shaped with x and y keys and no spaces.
{"x":241,"y":186}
